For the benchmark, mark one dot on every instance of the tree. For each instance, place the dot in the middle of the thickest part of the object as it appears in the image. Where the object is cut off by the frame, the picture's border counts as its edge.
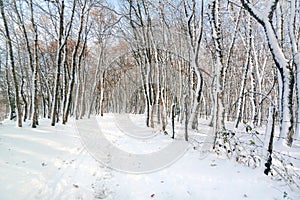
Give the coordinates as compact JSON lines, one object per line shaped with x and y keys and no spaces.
{"x":219,"y":111}
{"x":296,"y":58}
{"x":35,"y":70}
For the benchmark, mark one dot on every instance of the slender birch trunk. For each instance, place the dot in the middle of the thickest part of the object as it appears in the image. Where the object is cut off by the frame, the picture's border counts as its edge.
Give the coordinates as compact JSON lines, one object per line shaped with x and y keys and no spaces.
{"x":34,"y":114}
{"x":296,"y":60}
{"x":219,"y":111}
{"x":60,"y":45}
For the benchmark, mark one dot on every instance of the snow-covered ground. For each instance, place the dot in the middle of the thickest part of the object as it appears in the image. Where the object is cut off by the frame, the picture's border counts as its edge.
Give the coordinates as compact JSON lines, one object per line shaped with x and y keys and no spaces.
{"x":46,"y":163}
{"x":56,"y":163}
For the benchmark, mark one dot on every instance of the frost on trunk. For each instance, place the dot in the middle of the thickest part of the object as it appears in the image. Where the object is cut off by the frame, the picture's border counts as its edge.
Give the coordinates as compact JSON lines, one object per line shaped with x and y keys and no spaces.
{"x":280,"y":92}
{"x":34,"y":114}
{"x":10,"y":98}
{"x":279,"y":34}
{"x":296,"y":60}
{"x":78,"y":89}
{"x":252,"y":98}
{"x":252,"y":80}
{"x":101,"y":101}
{"x":148,"y":94}
{"x":286,"y":71}
{"x":83,"y":94}
{"x":259,"y":70}
{"x":219,"y":111}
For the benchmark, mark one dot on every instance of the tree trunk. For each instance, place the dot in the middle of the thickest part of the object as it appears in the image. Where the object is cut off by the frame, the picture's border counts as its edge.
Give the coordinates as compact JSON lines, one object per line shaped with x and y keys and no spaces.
{"x":83,"y":94}
{"x":35,"y":72}
{"x":10,"y":98}
{"x":60,"y":45}
{"x":186,"y":112}
{"x":173,"y":121}
{"x":219,"y":110}
{"x":296,"y":60}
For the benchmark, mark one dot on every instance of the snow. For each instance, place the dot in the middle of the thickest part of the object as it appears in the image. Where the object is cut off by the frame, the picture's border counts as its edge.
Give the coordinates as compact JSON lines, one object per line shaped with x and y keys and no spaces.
{"x":45,"y":163}
{"x":56,"y":163}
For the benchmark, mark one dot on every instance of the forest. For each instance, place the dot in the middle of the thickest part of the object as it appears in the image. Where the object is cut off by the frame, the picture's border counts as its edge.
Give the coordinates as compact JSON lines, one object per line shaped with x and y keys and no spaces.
{"x":219,"y":60}
{"x":222,"y":60}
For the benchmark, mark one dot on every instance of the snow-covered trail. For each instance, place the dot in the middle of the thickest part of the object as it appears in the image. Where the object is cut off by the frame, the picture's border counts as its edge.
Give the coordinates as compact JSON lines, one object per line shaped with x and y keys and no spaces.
{"x":96,"y":140}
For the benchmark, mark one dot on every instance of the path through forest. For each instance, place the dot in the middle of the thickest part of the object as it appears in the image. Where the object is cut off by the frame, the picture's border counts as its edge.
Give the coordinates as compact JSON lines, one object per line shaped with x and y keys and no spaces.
{"x":161,"y":153}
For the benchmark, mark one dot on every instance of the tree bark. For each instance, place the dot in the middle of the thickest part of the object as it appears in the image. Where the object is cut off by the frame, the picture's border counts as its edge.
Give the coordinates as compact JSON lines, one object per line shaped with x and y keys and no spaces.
{"x":296,"y":60}
{"x":60,"y":45}
{"x":219,"y":111}
{"x":10,"y":98}
{"x":35,"y":71}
